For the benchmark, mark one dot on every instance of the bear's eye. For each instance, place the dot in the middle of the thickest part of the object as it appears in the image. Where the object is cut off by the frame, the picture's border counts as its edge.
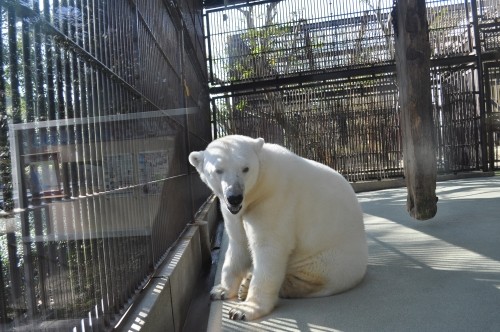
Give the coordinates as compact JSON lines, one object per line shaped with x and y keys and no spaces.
{"x":245,"y":169}
{"x":219,"y":171}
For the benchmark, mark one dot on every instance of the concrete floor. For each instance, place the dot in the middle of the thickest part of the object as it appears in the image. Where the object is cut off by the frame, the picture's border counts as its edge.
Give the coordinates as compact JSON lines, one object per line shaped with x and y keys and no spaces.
{"x":436,"y":275}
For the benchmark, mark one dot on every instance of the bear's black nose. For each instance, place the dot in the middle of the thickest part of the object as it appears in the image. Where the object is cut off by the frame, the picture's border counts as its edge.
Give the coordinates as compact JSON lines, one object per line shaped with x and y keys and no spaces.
{"x":235,"y":200}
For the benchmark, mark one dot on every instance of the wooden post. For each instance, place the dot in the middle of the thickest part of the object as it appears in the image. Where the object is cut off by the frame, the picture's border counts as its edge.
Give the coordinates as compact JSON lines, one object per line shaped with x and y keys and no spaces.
{"x":413,"y":74}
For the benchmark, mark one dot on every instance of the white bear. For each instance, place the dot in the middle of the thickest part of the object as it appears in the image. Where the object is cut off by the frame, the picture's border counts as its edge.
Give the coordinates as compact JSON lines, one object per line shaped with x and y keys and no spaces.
{"x":295,"y":227}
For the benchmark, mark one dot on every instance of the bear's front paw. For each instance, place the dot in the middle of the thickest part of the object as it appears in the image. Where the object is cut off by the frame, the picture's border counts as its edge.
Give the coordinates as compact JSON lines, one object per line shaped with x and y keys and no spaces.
{"x":219,"y":292}
{"x":248,"y":311}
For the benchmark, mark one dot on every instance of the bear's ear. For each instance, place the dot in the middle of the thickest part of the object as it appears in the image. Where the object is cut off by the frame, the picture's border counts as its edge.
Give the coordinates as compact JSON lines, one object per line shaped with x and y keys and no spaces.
{"x":196,"y":158}
{"x":259,"y":142}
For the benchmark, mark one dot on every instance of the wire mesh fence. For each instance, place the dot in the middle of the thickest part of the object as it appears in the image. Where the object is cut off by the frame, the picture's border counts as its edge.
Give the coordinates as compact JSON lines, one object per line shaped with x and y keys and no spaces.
{"x":291,"y":37}
{"x":319,"y":79}
{"x":336,"y":123}
{"x":490,"y":32}
{"x":100,"y":104}
{"x":352,"y":125}
{"x":457,"y":121}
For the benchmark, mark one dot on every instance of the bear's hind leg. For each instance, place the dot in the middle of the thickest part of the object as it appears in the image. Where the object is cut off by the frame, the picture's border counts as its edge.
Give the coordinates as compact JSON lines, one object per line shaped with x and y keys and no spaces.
{"x":245,"y":284}
{"x":301,"y":283}
{"x":327,"y":273}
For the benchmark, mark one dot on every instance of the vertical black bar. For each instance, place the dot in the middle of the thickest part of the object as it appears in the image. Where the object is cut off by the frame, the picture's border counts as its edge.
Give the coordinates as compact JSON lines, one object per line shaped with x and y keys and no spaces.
{"x":133,"y":197}
{"x":209,"y":43}
{"x":439,"y":117}
{"x":469,"y":33}
{"x":58,"y":112}
{"x":98,"y":101}
{"x":91,"y":252}
{"x":40,"y":104}
{"x":16,"y":114}
{"x":480,"y":77}
{"x":3,"y":294}
{"x":111,"y":152}
{"x":83,"y":259}
{"x":39,"y":215}
{"x":5,"y":166}
{"x":489,"y":114}
{"x":14,"y":68}
{"x":214,"y":118}
{"x":5,"y":169}
{"x":182,"y":53}
{"x":141,"y":107}
{"x":49,"y":63}
{"x":92,"y":38}
{"x":102,"y":90}
{"x":28,"y":77}
{"x":28,"y":264}
{"x":14,"y":272}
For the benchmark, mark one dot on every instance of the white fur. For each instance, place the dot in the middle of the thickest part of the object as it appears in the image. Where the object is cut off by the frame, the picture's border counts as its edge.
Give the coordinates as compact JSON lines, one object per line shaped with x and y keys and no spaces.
{"x":299,"y":232}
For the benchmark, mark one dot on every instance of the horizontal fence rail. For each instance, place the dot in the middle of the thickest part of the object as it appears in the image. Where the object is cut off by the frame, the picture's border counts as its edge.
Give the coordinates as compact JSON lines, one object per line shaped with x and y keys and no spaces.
{"x":100,"y":104}
{"x":319,"y":78}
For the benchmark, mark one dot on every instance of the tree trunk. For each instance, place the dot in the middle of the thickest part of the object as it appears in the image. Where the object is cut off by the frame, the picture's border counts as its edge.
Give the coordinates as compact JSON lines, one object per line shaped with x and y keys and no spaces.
{"x":413,"y":72}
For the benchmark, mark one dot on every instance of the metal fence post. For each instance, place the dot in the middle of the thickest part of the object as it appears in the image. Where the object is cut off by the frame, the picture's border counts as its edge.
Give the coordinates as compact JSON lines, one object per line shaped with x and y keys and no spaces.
{"x":480,"y":83}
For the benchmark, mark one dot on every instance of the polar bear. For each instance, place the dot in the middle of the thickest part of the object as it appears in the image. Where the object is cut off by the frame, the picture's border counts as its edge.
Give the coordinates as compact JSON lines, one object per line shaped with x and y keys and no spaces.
{"x":295,"y":227}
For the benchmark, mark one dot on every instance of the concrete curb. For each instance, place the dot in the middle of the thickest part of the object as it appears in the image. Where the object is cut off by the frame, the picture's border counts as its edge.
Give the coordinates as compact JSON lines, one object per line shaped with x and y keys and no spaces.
{"x":164,"y":302}
{"x":398,"y":183}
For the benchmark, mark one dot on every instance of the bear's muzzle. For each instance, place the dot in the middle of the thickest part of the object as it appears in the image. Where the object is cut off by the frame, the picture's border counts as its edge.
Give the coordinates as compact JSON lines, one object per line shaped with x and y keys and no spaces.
{"x":234,"y":203}
{"x":233,"y":197}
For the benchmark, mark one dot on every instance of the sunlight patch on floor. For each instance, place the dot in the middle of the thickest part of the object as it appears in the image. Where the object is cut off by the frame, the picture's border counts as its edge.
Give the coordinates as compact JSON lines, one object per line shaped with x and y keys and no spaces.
{"x":392,"y":243}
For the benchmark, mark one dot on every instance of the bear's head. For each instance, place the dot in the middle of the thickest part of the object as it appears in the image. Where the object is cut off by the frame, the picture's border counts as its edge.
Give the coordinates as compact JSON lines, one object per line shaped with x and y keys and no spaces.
{"x":230,"y":167}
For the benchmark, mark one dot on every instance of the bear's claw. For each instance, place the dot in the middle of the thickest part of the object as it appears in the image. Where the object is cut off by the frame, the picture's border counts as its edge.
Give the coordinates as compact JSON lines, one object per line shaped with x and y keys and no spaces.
{"x":220,"y":293}
{"x":235,"y":314}
{"x":249,"y":310}
{"x":220,"y":296}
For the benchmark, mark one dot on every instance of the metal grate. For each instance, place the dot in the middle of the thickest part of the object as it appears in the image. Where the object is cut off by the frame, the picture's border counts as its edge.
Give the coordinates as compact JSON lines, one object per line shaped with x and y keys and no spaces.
{"x":336,"y":123}
{"x":493,"y":112}
{"x":490,"y":24}
{"x":456,"y":117}
{"x":289,"y":37}
{"x":352,"y":125}
{"x":292,"y":37}
{"x":100,"y":103}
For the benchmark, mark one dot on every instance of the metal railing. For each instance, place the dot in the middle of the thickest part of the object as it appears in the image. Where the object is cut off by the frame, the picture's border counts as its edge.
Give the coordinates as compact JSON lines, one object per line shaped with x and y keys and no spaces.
{"x":100,"y":104}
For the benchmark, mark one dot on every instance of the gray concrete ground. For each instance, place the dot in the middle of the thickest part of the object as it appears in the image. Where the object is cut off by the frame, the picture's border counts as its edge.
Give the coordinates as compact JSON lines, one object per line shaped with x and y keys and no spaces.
{"x":436,"y":275}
